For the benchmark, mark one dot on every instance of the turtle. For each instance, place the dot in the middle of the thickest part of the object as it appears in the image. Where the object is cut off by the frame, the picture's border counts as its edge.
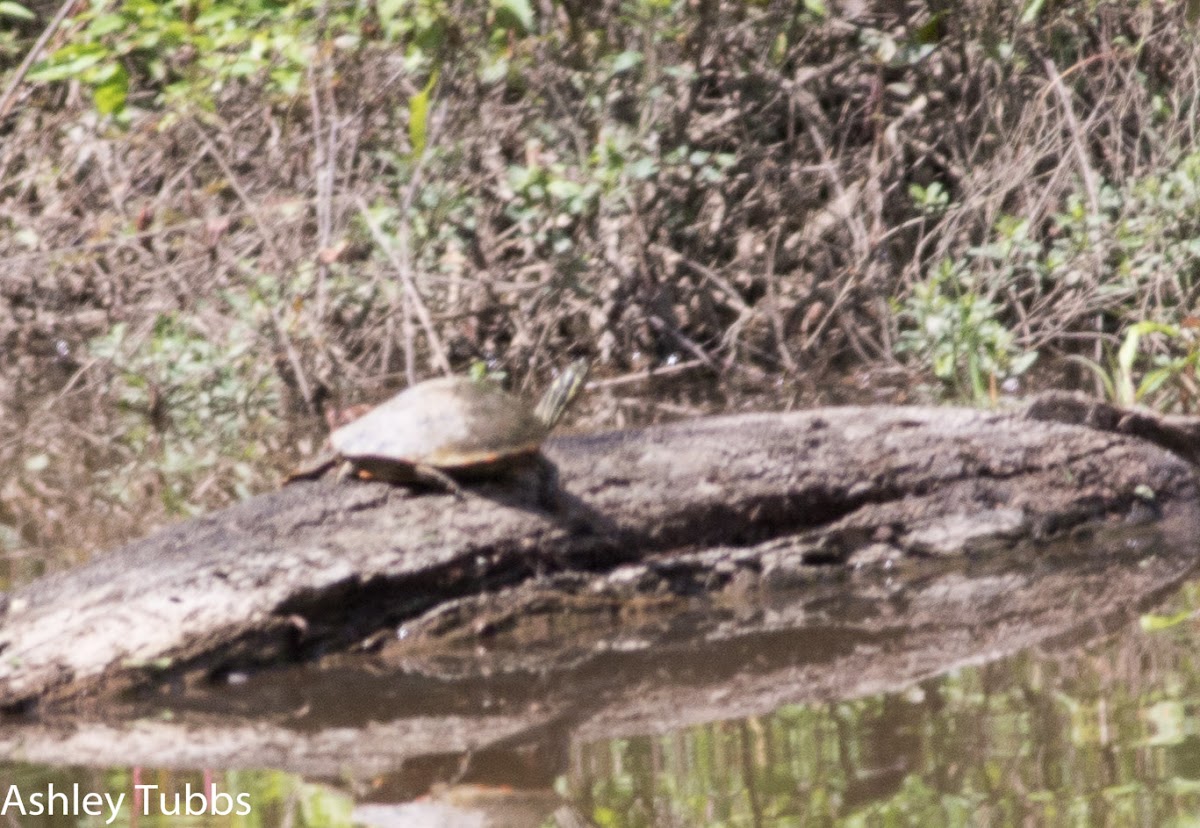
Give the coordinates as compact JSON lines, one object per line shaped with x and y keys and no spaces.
{"x":447,"y":429}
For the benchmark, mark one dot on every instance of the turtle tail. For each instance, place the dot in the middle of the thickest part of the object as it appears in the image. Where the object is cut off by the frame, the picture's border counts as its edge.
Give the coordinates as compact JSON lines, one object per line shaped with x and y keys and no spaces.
{"x":314,"y":469}
{"x":561,"y":393}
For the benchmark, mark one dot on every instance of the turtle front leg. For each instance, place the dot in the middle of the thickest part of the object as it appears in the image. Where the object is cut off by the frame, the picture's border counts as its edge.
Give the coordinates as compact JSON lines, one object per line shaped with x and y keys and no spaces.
{"x":439,"y":479}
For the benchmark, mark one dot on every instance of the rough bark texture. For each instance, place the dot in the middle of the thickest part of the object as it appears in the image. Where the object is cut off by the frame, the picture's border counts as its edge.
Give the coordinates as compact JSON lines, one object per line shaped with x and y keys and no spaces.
{"x":715,"y":506}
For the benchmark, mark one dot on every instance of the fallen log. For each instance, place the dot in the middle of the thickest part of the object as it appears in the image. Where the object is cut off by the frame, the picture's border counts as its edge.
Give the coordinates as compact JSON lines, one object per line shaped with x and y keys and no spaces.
{"x":699,"y":508}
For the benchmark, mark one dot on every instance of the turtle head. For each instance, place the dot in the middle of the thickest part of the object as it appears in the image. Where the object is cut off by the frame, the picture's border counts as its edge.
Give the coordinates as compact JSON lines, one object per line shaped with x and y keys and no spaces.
{"x":562,"y":392}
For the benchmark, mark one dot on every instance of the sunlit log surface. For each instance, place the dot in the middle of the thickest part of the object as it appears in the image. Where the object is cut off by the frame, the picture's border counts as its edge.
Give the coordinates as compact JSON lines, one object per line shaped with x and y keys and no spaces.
{"x":724,"y":507}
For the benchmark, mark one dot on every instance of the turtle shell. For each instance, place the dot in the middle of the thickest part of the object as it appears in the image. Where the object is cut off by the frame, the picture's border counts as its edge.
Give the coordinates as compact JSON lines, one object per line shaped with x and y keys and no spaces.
{"x":449,"y":423}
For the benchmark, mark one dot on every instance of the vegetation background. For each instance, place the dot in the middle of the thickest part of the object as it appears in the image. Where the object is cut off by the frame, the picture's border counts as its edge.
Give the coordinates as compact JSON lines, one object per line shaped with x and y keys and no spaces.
{"x":222,"y":219}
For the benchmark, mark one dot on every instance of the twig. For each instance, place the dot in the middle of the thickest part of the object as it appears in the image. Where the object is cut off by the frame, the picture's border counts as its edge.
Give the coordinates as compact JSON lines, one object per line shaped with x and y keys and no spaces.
{"x":324,"y":172}
{"x":1090,"y":179}
{"x":773,"y":305}
{"x":648,"y":374}
{"x":833,"y":176}
{"x":10,"y":92}
{"x":729,"y":290}
{"x":688,"y":343}
{"x":855,"y":226}
{"x":1085,"y":168}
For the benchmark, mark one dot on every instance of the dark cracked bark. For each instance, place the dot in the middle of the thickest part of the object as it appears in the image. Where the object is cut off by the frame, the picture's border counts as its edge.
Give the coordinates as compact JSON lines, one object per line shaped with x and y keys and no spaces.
{"x":713,"y":506}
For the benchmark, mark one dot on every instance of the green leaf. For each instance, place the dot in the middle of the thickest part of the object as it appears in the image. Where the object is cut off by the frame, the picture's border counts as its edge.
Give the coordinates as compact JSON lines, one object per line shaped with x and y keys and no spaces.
{"x":1032,"y":11}
{"x":1127,"y":355}
{"x":493,"y":70}
{"x":643,"y":168}
{"x":106,"y":24}
{"x":512,"y":14}
{"x":779,"y":48}
{"x":287,"y":80}
{"x":418,"y":117}
{"x":563,"y":189}
{"x":243,"y":68}
{"x":390,"y":9}
{"x":73,"y":68}
{"x":626,"y":61}
{"x":930,"y":32}
{"x":1155,"y":380}
{"x":1154,"y":623}
{"x":1022,"y":363}
{"x":11,"y":9}
{"x":110,"y":96}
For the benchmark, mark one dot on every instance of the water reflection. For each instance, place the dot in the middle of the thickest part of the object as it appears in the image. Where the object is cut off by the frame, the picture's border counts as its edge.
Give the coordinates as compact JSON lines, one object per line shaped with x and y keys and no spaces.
{"x":1104,"y":736}
{"x":41,"y":796}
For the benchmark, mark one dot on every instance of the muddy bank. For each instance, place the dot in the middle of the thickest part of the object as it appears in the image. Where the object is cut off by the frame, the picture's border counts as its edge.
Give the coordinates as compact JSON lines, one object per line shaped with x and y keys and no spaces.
{"x":712,"y":510}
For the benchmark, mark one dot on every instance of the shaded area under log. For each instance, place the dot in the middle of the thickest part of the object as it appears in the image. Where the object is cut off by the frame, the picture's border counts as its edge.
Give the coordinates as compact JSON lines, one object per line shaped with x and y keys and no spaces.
{"x":723,"y":509}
